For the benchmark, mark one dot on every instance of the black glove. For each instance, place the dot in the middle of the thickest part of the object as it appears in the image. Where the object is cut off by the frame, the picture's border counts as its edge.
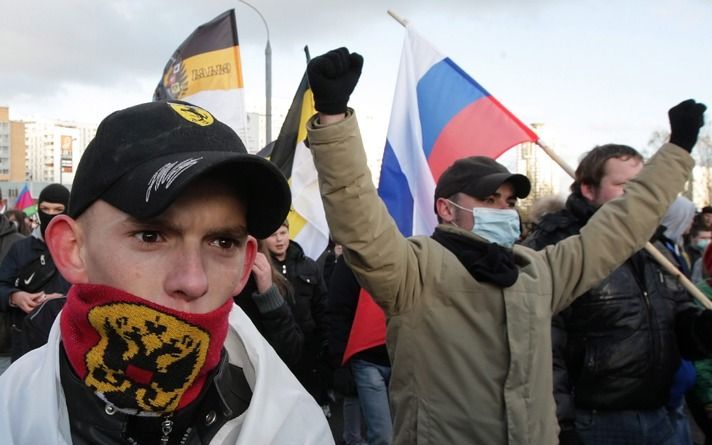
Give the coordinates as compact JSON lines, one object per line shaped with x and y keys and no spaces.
{"x":332,"y":78}
{"x":686,"y":119}
{"x":344,"y":382}
{"x":569,"y":436}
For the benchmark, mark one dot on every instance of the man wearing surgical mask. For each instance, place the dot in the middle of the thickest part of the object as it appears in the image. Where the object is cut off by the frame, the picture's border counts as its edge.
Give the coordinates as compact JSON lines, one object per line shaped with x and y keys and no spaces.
{"x":700,"y":237}
{"x":468,"y":315}
{"x":479,"y":195}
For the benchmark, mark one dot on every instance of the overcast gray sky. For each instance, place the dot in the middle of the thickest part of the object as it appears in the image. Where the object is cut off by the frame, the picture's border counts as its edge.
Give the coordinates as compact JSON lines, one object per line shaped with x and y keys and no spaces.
{"x":591,"y":71}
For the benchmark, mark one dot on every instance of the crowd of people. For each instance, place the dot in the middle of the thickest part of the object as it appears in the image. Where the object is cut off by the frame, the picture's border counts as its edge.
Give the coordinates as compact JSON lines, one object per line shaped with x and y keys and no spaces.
{"x":163,"y":301}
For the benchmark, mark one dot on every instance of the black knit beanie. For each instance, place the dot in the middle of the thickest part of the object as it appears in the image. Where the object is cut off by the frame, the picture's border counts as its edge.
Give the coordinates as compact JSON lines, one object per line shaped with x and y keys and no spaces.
{"x":55,"y":193}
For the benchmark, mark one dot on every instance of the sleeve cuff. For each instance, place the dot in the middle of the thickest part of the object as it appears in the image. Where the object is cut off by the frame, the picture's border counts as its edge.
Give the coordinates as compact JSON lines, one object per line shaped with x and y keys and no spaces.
{"x":268,"y":301}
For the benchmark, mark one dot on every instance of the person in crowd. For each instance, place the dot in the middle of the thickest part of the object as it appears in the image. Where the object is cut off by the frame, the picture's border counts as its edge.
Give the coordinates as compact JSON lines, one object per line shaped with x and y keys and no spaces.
{"x":616,"y":349}
{"x":327,"y":260}
{"x":366,"y":368}
{"x":160,"y":235}
{"x":19,"y":219}
{"x":699,"y":239}
{"x":8,"y":236}
{"x":468,"y":312}
{"x":28,"y":276}
{"x":540,"y":208}
{"x":699,"y":399}
{"x":706,"y":217}
{"x":308,"y":305}
{"x":264,"y":300}
{"x":676,"y":224}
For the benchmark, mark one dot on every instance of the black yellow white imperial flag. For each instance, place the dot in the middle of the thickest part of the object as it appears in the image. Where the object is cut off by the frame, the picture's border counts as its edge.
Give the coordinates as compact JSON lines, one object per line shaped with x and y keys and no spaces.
{"x":205,"y":70}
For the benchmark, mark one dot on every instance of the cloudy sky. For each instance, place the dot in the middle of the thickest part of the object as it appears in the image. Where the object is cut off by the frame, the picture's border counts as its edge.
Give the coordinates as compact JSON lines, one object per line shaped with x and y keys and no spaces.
{"x":590,"y":71}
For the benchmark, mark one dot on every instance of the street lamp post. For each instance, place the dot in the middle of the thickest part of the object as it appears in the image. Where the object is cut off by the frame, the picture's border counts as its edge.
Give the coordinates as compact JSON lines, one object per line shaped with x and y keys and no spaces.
{"x":268,"y":78}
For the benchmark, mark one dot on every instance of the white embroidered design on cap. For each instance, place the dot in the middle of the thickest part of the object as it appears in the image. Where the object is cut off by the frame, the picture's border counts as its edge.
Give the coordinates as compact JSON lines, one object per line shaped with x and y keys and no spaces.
{"x":169,"y":173}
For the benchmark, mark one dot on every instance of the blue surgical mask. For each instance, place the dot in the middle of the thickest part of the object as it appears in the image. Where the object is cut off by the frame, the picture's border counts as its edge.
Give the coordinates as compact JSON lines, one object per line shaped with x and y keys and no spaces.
{"x":702,"y":243}
{"x":498,"y":226}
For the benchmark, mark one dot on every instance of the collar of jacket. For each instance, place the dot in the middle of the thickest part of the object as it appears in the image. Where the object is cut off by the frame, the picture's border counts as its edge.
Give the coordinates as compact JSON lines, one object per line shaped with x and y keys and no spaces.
{"x":451,"y":228}
{"x":581,"y":209}
{"x":225,"y":396}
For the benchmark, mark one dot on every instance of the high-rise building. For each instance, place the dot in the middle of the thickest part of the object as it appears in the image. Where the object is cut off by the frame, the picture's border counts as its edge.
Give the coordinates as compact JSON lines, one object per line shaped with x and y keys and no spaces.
{"x":12,"y":148}
{"x":54,"y":148}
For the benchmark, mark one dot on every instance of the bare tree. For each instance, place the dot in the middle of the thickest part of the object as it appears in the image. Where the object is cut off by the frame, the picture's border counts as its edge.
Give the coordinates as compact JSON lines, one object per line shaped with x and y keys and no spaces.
{"x":701,"y":182}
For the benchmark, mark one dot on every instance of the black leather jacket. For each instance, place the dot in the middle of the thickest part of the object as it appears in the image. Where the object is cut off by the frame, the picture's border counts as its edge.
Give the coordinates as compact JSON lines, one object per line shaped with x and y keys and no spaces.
{"x":225,"y":396}
{"x":618,"y":346}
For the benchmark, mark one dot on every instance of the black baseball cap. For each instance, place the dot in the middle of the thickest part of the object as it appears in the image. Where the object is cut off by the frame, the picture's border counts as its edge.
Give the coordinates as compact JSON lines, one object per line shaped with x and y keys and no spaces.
{"x":479,"y":176}
{"x":143,"y":157}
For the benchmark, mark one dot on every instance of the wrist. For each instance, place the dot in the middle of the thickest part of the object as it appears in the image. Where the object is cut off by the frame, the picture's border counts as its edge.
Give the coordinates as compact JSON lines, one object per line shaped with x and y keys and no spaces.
{"x":11,"y":301}
{"x":326,"y":119}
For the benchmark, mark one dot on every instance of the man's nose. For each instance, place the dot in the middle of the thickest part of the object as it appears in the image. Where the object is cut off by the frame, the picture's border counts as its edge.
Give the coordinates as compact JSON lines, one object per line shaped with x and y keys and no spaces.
{"x":188,"y":278}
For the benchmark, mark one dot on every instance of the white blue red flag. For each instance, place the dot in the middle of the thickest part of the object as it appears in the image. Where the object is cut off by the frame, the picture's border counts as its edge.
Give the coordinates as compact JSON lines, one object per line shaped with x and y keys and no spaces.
{"x":439,"y":114}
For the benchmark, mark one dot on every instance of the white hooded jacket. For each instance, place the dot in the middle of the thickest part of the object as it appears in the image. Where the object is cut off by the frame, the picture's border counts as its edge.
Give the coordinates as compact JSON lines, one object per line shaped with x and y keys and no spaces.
{"x":33,"y":408}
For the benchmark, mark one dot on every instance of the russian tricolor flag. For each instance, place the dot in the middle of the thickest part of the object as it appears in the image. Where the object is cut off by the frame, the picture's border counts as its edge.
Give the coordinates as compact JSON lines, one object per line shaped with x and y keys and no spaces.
{"x":24,"y":199}
{"x":439,"y":114}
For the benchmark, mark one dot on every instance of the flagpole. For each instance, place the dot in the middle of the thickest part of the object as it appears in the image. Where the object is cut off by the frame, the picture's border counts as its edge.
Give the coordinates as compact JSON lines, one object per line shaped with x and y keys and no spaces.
{"x":651,"y":249}
{"x":268,"y":78}
{"x":397,"y":18}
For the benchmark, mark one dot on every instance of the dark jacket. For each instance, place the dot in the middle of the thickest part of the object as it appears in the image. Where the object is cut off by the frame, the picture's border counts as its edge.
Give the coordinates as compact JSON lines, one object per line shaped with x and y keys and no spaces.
{"x":340,"y":311}
{"x":618,"y":346}
{"x":225,"y":396}
{"x":273,"y":317}
{"x":21,"y":254}
{"x":308,"y":308}
{"x":8,"y":236}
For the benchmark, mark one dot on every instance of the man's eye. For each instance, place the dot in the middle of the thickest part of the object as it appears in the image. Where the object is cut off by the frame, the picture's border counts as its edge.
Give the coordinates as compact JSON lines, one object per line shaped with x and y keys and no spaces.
{"x":148,"y":237}
{"x":224,"y":243}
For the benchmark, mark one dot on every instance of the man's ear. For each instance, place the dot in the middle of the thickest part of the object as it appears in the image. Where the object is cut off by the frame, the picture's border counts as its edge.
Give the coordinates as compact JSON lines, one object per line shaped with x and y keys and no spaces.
{"x":588,"y":191}
{"x":249,"y":260}
{"x":445,"y":210}
{"x":64,"y":239}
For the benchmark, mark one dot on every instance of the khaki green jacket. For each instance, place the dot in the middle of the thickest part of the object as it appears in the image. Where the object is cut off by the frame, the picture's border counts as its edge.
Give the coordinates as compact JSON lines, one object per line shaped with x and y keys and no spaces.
{"x":471,"y":362}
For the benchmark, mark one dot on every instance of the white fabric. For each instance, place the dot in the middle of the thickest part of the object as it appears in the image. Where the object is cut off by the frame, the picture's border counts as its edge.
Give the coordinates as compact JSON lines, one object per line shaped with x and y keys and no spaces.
{"x":33,"y":408}
{"x":306,"y":200}
{"x":405,"y":132}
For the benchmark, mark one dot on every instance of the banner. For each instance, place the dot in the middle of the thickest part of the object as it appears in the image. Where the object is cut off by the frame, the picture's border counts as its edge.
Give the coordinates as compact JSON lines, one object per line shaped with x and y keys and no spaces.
{"x":205,"y":70}
{"x":439,"y":114}
{"x":307,"y":221}
{"x":24,"y":199}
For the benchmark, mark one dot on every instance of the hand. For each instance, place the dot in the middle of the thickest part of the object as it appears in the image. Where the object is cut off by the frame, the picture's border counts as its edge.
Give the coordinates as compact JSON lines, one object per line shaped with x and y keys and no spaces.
{"x":262,"y":271}
{"x":686,"y":119}
{"x":332,"y":78}
{"x":26,"y":301}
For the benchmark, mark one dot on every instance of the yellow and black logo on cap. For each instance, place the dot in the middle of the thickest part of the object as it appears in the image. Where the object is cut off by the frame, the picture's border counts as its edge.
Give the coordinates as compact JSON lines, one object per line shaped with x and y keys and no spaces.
{"x":193,"y":114}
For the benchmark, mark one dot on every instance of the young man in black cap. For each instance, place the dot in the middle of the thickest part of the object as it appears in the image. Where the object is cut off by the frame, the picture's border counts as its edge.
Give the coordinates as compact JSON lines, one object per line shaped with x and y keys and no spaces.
{"x":469,"y":317}
{"x":149,"y":347}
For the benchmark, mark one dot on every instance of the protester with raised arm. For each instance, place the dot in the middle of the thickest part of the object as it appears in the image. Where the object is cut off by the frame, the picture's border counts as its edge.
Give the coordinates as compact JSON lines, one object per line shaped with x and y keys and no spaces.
{"x":469,"y":314}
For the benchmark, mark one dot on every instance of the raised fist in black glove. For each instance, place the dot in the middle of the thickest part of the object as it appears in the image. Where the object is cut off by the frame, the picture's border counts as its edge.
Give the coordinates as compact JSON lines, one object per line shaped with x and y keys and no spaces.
{"x":686,"y":119}
{"x":332,"y":78}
